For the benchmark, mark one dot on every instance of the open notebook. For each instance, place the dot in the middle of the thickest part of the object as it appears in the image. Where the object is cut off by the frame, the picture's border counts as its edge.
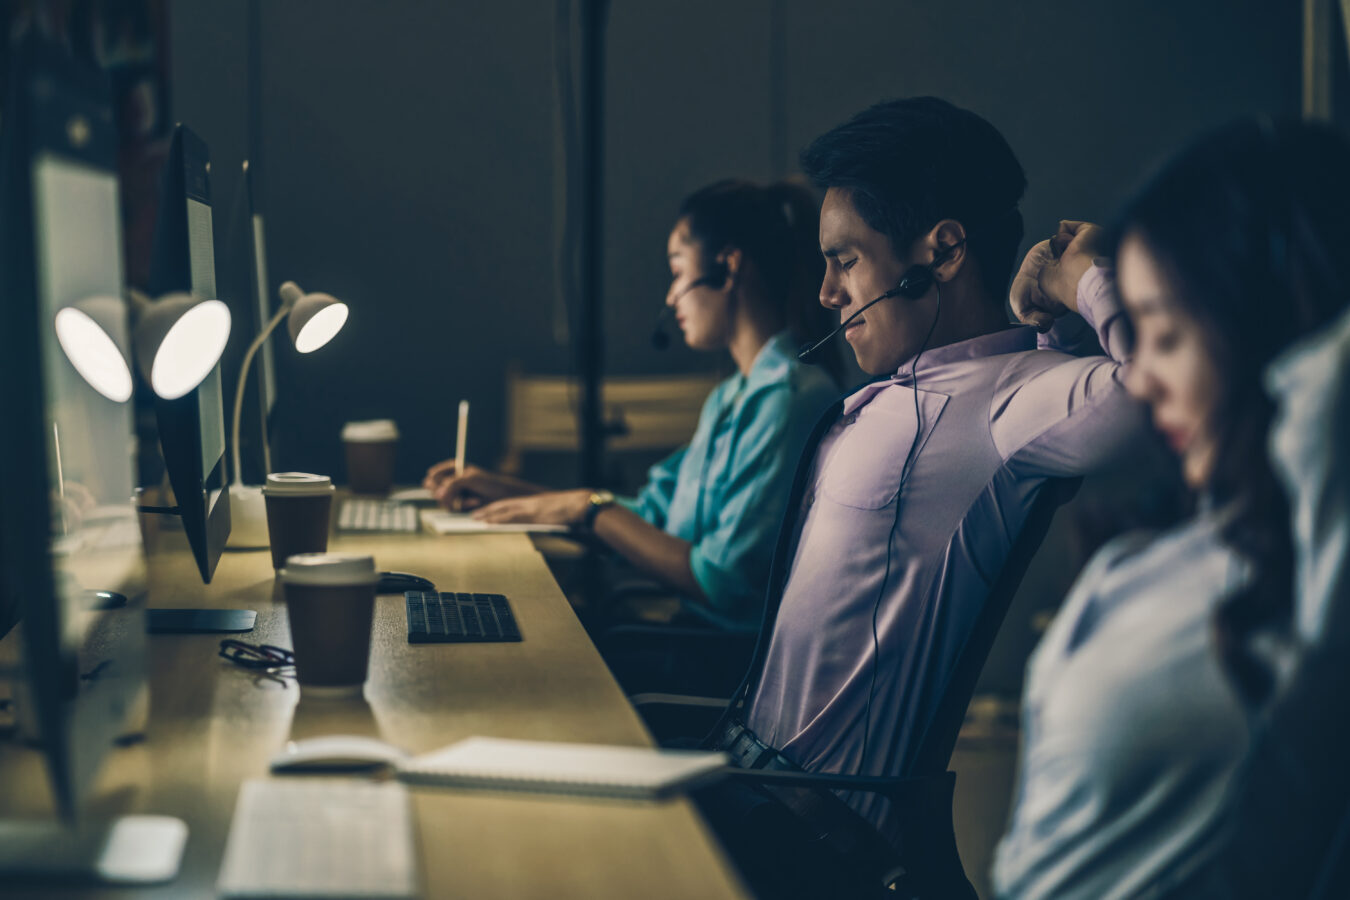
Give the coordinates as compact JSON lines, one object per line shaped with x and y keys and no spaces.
{"x":547,"y":767}
{"x":442,"y":522}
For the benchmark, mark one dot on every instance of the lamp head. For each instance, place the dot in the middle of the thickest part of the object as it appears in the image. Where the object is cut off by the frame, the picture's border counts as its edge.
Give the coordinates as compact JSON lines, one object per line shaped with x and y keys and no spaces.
{"x":93,"y":334}
{"x":314,"y":318}
{"x":179,"y":339}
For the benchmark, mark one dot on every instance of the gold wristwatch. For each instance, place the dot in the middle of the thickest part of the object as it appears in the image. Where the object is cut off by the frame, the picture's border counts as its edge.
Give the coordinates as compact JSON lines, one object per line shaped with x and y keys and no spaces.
{"x":598,"y":501}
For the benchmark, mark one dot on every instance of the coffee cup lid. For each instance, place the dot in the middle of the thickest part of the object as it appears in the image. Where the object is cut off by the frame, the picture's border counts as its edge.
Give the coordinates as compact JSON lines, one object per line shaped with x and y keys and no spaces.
{"x":297,"y":484}
{"x":330,"y":569}
{"x":369,"y":431}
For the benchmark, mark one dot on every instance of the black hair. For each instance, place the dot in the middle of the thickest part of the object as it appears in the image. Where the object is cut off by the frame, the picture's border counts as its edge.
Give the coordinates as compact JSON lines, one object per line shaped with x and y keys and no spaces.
{"x":777,"y":228}
{"x":1249,"y":222}
{"x":908,"y":164}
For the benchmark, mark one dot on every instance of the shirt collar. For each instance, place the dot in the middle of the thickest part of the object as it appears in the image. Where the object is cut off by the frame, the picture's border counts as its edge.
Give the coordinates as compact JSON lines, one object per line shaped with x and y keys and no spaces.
{"x":1007,"y":340}
{"x":772,"y":362}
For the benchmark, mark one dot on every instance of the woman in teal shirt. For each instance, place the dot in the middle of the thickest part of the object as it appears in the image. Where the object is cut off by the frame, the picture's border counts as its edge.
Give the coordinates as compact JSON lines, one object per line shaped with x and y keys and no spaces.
{"x":744,"y":264}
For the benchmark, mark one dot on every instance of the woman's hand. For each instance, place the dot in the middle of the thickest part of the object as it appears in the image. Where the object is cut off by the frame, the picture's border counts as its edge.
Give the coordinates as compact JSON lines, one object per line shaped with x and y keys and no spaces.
{"x":551,"y":508}
{"x":1046,"y":286}
{"x":472,"y":488}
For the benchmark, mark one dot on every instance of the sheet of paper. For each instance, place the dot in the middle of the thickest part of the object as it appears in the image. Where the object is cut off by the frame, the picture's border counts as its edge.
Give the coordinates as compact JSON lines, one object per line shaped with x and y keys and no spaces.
{"x":443,"y":522}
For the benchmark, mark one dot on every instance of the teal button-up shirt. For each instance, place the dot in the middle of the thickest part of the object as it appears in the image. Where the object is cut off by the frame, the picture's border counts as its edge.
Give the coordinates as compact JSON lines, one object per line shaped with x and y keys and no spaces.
{"x":724,"y":492}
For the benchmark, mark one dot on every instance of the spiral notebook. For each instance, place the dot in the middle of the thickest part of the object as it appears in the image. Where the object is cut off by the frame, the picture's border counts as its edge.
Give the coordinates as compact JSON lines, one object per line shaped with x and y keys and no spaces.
{"x":554,"y":768}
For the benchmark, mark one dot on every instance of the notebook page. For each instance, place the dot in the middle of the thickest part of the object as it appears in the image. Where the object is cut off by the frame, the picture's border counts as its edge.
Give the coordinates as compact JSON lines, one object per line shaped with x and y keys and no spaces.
{"x":562,"y":768}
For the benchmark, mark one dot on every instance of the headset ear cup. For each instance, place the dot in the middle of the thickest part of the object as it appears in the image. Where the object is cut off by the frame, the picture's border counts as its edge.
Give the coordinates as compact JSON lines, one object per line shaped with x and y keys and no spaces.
{"x":915,"y":282}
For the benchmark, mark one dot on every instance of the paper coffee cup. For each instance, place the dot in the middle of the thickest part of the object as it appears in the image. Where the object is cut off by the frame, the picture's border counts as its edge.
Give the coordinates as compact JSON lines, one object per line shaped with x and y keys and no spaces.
{"x":298,"y":508}
{"x":371,"y":448}
{"x":330,"y":599}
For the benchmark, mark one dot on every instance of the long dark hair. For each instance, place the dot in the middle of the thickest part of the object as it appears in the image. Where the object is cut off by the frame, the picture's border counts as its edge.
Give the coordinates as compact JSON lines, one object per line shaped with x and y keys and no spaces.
{"x":1251,"y":222}
{"x":776,"y":227}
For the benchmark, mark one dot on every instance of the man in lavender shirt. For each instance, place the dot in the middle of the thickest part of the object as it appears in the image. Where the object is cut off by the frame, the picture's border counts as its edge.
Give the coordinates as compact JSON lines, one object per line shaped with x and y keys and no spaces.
{"x":921,"y":482}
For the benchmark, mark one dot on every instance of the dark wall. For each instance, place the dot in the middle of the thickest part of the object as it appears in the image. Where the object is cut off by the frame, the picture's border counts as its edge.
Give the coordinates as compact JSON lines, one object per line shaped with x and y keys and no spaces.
{"x":407,"y":151}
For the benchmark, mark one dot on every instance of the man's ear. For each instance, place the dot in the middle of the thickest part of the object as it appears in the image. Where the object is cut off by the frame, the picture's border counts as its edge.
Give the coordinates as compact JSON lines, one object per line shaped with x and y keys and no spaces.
{"x":945,"y":249}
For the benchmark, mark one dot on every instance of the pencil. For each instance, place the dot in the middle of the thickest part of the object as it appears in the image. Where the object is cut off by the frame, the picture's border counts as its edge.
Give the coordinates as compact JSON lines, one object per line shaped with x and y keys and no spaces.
{"x":461,"y":436}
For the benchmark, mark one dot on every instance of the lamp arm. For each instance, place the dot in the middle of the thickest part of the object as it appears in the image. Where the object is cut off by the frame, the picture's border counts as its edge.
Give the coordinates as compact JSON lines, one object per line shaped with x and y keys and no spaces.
{"x":243,"y":380}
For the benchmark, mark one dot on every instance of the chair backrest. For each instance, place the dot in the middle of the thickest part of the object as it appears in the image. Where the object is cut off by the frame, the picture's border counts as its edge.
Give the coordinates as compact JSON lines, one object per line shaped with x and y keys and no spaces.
{"x":641,"y":412}
{"x":939,"y":739}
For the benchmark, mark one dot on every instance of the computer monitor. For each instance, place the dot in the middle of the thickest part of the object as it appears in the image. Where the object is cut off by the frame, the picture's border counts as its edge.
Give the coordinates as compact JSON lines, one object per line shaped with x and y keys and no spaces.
{"x":264,"y":308}
{"x":71,"y":551}
{"x":192,"y":427}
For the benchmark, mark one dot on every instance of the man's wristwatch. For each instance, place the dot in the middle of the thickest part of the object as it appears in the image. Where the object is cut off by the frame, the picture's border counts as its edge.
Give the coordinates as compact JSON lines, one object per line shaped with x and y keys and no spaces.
{"x":598,"y":501}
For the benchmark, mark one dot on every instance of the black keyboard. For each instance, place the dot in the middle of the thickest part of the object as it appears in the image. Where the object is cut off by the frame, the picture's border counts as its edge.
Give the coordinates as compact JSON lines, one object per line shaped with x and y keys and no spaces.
{"x":441,"y":617}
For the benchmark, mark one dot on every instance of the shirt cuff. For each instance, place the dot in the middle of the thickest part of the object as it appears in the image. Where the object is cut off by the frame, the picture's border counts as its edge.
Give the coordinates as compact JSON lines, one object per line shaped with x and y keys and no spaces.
{"x":1099,"y":305}
{"x":1070,"y":334}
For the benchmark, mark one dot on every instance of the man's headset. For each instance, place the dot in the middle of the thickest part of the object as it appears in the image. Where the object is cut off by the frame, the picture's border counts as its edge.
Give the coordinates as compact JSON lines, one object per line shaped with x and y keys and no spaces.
{"x":716,"y":277}
{"x":915,"y":283}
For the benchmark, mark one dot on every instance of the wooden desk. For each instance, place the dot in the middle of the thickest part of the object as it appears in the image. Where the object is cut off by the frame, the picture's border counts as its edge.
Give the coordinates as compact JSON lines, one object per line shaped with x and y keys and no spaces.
{"x":212,"y":725}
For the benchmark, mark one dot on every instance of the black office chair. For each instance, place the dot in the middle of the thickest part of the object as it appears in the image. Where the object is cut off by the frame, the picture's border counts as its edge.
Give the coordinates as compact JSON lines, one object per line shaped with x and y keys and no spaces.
{"x":685,"y":655}
{"x":684,"y":659}
{"x":924,"y":863}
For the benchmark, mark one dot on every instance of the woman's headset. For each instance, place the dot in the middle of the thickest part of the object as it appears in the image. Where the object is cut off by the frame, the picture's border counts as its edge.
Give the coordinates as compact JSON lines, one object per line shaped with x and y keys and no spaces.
{"x":718,"y":273}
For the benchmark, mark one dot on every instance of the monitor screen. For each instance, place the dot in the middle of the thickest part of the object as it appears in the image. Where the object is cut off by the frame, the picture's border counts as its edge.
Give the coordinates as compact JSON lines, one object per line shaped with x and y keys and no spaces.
{"x":96,"y":538}
{"x":264,"y":309}
{"x":210,"y":405}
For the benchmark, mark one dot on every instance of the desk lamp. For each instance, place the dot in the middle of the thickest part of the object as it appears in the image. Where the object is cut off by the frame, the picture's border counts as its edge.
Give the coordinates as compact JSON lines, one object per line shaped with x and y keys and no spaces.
{"x":314,"y":319}
{"x":178,"y":340}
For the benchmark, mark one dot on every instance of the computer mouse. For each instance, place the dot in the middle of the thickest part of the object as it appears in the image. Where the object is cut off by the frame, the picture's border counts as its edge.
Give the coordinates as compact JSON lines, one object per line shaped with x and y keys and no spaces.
{"x":103,"y":600}
{"x":399,"y":582}
{"x":336,"y":752}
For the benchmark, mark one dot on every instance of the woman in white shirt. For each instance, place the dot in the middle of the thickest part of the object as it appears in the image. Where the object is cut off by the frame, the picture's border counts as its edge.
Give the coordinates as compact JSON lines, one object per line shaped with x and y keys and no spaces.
{"x":1136,"y":712}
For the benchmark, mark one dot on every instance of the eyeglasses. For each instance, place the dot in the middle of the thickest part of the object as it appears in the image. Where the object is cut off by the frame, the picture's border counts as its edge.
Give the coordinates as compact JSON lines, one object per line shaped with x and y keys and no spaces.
{"x":268,"y":660}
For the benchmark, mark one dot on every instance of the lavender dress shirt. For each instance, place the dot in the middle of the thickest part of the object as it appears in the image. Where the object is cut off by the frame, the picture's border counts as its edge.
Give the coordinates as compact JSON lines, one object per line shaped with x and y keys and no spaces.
{"x":997,"y":417}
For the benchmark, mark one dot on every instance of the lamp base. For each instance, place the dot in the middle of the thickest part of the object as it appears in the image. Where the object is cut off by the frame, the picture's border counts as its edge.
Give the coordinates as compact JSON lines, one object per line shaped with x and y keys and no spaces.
{"x":248,"y":519}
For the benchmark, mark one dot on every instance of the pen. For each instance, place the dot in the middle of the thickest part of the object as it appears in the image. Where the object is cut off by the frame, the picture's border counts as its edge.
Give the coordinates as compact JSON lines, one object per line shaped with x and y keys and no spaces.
{"x":461,"y":436}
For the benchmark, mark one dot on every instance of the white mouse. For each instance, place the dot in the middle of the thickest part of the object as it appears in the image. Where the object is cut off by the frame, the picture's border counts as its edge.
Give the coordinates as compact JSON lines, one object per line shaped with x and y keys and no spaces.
{"x":336,"y":751}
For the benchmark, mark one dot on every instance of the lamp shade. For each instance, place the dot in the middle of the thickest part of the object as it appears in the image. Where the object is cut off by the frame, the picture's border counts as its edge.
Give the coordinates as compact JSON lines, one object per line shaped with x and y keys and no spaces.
{"x":314,"y":318}
{"x":92,"y":332}
{"x":179,"y":339}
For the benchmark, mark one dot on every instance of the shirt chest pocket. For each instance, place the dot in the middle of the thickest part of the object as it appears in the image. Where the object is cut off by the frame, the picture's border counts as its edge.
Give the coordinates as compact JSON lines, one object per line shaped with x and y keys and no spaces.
{"x":866,"y":462}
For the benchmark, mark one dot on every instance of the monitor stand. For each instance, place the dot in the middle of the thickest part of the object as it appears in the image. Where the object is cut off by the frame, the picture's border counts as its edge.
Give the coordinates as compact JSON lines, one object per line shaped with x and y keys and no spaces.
{"x":126,"y":850}
{"x":199,"y":621}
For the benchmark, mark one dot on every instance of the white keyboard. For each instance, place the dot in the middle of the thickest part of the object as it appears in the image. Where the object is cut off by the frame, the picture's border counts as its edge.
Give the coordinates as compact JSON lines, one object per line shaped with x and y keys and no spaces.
{"x":377,"y":515}
{"x":320,"y":837}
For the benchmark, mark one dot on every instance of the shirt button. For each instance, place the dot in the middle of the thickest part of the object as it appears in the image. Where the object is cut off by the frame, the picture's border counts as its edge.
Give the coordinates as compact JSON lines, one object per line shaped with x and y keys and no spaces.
{"x":850,"y":418}
{"x":810,"y":499}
